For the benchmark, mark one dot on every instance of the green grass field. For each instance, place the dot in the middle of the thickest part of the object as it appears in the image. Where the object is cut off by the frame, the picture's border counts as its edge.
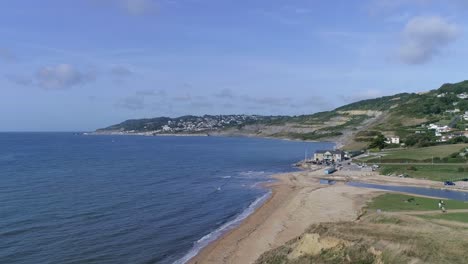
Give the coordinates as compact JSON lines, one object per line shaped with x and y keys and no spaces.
{"x":402,"y":202}
{"x":459,"y":217}
{"x":431,"y":172}
{"x":424,"y":153}
{"x":416,"y":154}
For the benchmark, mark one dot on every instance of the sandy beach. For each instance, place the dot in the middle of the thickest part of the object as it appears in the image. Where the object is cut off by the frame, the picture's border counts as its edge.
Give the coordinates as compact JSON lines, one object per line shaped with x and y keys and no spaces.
{"x":297,"y":201}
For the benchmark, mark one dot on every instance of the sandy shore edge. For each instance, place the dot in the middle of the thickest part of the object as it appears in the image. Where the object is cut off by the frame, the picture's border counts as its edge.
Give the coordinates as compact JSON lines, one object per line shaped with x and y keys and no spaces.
{"x":297,"y":201}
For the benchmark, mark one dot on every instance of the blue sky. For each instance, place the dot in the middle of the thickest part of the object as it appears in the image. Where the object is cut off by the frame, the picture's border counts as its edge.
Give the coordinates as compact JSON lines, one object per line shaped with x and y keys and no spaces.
{"x":70,"y":65}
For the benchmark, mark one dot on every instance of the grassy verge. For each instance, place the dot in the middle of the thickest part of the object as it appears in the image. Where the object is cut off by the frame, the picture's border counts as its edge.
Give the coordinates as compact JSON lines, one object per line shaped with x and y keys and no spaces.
{"x":431,"y":172}
{"x":402,"y":202}
{"x":423,"y":154}
{"x":459,"y":217}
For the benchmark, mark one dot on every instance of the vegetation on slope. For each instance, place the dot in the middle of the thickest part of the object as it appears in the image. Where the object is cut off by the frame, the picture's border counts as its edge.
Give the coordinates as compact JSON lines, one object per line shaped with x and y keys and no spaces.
{"x":399,"y":115}
{"x":404,"y":230}
{"x":376,"y":238}
{"x":390,"y":202}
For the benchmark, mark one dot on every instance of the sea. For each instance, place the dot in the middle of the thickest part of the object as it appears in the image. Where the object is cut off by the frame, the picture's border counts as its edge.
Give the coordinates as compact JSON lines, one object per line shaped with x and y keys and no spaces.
{"x":72,"y":198}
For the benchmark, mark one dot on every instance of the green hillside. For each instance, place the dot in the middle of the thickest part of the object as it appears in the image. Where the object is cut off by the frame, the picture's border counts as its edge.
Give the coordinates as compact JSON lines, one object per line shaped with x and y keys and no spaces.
{"x":356,"y":125}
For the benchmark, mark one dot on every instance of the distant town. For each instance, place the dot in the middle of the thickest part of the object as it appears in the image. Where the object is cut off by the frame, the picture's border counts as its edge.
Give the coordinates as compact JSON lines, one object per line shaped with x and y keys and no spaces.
{"x":182,"y":125}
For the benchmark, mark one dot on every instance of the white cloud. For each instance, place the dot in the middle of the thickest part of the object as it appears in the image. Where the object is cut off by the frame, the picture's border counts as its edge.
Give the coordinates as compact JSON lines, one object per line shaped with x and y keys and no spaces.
{"x":62,"y":76}
{"x":7,"y":55}
{"x":19,"y":79}
{"x":225,"y":93}
{"x":378,"y":7}
{"x":139,"y":7}
{"x":131,"y":7}
{"x":424,"y":37}
{"x":138,"y":101}
{"x":134,"y":102}
{"x":149,"y":92}
{"x":121,"y":71}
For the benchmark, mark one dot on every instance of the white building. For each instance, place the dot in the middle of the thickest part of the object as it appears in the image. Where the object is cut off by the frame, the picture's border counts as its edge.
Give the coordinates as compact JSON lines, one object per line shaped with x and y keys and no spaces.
{"x":465,"y":116}
{"x":329,"y":155}
{"x":456,"y":110}
{"x":393,"y":140}
{"x":439,"y":129}
{"x":443,"y":129}
{"x":462,"y":96}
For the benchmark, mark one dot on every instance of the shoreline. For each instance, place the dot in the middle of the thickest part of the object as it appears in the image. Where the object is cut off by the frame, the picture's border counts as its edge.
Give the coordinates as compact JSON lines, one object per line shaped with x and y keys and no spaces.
{"x":223,"y":229}
{"x":327,"y":140}
{"x":297,"y":201}
{"x":291,"y":208}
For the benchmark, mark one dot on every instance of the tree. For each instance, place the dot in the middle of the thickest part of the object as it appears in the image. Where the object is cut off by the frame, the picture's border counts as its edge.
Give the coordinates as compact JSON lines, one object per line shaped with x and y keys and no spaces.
{"x":378,"y":142}
{"x":463,"y":105}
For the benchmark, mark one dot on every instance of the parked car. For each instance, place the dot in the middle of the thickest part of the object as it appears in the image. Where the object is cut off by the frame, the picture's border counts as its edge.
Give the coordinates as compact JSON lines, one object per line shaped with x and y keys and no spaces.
{"x":449,"y":183}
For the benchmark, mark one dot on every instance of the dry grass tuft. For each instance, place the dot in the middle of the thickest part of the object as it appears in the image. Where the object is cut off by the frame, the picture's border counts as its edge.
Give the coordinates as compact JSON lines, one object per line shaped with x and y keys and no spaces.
{"x":376,"y":238}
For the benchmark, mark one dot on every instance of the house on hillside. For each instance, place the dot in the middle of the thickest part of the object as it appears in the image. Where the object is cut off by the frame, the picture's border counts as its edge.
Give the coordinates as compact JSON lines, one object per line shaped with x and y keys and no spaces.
{"x":393,"y":140}
{"x":329,"y":155}
{"x":465,"y":116}
{"x":454,"y":111}
{"x":439,"y":129}
{"x":462,"y":96}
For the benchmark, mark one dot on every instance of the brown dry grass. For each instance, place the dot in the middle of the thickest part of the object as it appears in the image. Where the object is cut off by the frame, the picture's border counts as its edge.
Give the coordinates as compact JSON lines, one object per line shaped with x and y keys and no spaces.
{"x":377,"y":238}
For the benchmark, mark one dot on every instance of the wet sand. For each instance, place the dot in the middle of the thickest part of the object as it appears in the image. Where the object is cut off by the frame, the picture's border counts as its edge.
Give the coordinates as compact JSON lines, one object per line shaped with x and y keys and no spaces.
{"x":297,"y":201}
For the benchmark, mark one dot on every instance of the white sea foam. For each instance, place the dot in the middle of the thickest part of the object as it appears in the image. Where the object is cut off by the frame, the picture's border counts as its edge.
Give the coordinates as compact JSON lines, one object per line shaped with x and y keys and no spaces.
{"x":204,"y":241}
{"x":252,"y":173}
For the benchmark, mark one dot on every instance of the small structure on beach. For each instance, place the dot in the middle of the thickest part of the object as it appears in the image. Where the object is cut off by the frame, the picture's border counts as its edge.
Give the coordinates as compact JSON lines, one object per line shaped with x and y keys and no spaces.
{"x":329,"y":170}
{"x":329,"y":155}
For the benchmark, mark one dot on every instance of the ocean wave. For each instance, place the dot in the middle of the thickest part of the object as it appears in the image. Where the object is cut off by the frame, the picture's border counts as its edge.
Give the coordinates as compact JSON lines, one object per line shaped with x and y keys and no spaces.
{"x":251,"y":173}
{"x":207,"y":239}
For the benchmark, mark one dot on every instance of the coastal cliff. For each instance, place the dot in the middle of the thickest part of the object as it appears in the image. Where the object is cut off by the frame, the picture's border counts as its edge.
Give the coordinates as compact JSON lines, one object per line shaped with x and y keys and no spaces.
{"x":352,"y":126}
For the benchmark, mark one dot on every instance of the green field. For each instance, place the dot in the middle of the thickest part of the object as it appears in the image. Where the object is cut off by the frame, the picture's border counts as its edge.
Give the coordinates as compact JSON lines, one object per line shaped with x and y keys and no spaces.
{"x":424,"y":153}
{"x":459,"y":217}
{"x":431,"y":172}
{"x":402,"y":202}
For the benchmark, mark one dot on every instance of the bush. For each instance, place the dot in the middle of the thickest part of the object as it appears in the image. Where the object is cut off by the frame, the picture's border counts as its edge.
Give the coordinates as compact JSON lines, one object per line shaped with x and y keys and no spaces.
{"x":378,"y":142}
{"x":411,"y":168}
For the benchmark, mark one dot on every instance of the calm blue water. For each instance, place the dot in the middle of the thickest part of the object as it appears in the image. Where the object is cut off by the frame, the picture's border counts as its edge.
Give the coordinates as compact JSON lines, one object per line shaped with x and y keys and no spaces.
{"x":67,"y":198}
{"x":441,"y":193}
